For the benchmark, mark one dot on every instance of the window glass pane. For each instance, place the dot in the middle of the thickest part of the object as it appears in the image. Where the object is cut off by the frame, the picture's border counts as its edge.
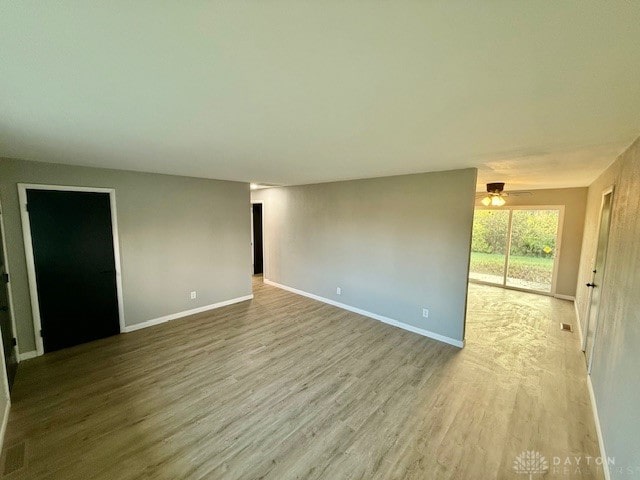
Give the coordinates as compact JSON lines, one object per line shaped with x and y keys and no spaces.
{"x":533,"y":249}
{"x":488,"y":245}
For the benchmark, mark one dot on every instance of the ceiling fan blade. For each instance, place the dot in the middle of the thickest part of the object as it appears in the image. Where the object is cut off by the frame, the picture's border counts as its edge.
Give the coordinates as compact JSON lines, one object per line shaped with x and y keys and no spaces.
{"x":517,"y":194}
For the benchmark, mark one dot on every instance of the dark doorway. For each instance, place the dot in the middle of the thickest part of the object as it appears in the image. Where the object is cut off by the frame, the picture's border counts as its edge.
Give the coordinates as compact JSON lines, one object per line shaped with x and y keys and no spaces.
{"x":72,"y":240}
{"x":257,"y":238}
{"x":6,"y":326}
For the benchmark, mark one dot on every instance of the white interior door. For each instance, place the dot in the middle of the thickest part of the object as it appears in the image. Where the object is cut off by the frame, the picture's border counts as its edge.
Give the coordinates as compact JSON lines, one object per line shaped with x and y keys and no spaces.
{"x":598,"y":276}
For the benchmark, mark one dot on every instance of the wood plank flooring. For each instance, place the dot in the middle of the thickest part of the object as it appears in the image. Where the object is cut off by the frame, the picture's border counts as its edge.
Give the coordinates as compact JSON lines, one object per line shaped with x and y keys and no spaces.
{"x":284,"y":387}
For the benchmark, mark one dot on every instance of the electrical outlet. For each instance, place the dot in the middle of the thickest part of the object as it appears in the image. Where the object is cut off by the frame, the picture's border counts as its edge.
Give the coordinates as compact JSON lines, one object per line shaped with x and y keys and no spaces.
{"x":339,"y":291}
{"x":193,"y":295}
{"x":425,"y":312}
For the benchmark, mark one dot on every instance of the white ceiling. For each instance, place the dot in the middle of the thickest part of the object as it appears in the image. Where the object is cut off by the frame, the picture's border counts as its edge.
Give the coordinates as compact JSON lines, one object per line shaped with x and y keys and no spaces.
{"x":537,"y":94}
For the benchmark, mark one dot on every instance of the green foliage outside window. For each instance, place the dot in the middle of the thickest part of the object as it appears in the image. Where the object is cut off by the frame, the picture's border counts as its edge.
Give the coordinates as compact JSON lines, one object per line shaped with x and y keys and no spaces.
{"x":533,"y":232}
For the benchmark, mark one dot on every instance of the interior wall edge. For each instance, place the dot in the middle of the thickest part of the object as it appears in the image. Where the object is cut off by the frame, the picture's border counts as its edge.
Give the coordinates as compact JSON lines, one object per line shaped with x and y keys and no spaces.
{"x":578,"y":323}
{"x":5,"y":419}
{"x":396,"y":246}
{"x":177,"y":235}
{"x":374,"y":316}
{"x":596,"y":419}
{"x":183,"y":314}
{"x":615,"y":357}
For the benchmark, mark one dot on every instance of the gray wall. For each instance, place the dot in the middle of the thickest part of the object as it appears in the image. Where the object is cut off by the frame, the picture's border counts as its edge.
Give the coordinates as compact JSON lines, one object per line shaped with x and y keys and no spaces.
{"x":394,"y":244}
{"x":177,"y":234}
{"x":574,"y":201}
{"x":616,"y":360}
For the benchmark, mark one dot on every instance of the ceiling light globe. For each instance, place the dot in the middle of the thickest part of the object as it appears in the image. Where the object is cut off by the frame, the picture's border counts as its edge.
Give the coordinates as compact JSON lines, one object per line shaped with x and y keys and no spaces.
{"x":497,"y":201}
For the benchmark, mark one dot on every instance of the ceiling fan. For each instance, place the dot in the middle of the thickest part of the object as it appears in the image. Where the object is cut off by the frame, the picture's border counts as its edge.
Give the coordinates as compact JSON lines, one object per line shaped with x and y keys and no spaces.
{"x":495,"y":196}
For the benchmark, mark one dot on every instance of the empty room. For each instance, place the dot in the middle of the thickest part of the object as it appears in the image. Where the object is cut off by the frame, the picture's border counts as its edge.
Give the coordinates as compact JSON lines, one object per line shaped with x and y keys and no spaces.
{"x":319,"y":240}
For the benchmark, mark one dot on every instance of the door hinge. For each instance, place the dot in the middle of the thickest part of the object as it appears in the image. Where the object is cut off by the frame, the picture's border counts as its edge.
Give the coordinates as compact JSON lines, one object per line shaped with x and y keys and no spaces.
{"x":5,"y":277}
{"x":14,"y":341}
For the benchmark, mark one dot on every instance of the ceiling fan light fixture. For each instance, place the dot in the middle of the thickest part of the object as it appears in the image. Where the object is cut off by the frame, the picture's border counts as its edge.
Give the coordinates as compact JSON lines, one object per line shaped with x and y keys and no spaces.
{"x":497,"y":201}
{"x":494,"y":196}
{"x":495,"y":187}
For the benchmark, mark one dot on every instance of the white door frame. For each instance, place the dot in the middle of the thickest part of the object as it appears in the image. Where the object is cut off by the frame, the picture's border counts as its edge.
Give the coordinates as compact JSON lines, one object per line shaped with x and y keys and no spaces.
{"x":28,"y":249}
{"x":558,"y":252}
{"x":9,"y":291}
{"x":605,"y":192}
{"x":4,"y":390}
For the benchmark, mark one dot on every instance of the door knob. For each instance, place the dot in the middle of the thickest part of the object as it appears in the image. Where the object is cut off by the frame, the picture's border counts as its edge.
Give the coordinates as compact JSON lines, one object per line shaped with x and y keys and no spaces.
{"x":592,"y":285}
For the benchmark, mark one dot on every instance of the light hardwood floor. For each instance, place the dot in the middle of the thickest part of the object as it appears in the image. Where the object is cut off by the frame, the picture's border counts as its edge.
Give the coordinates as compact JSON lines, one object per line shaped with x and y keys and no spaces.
{"x":285,"y":387}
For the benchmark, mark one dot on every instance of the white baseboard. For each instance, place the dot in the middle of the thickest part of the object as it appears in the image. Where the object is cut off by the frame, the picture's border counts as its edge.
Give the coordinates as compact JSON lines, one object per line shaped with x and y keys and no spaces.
{"x":596,"y":418}
{"x":5,"y":420}
{"x":564,"y":297}
{"x":186,"y":313}
{"x":578,"y":324}
{"x":27,"y":355}
{"x":375,"y":316}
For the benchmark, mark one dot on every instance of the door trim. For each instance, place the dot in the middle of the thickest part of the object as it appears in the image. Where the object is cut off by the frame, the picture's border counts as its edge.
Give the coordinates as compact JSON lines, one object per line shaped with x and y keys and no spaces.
{"x":16,"y":347}
{"x":4,"y":390}
{"x":607,"y":191}
{"x":28,"y":250}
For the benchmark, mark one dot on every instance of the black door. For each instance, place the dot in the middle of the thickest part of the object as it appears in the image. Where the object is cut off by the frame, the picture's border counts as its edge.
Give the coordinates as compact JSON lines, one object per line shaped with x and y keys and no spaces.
{"x":10,"y":359}
{"x":72,"y":242}
{"x":257,"y":238}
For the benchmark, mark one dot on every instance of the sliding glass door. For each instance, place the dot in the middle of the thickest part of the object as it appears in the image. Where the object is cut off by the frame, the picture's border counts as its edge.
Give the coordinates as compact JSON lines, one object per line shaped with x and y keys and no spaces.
{"x":515,"y":247}
{"x":489,"y":245}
